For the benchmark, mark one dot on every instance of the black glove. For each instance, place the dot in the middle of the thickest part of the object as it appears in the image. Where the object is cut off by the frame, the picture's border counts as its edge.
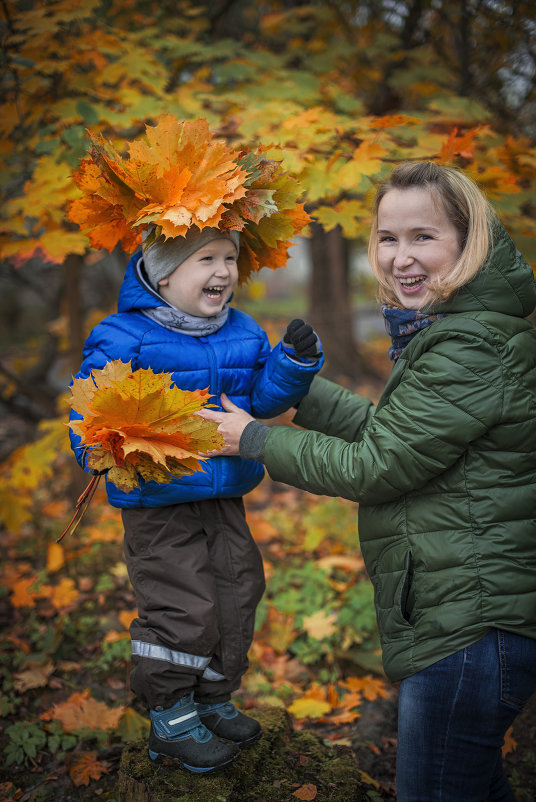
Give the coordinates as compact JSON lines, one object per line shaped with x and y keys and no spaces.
{"x":303,"y":339}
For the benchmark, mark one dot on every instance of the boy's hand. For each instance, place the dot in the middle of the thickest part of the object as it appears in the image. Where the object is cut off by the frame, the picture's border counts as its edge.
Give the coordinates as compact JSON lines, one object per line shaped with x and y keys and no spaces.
{"x":232,"y":423}
{"x":302,"y":338}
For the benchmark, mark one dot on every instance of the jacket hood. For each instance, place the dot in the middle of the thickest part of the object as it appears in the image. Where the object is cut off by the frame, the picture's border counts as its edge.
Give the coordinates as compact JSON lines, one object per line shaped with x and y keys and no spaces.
{"x":505,"y":283}
{"x":136,"y":292}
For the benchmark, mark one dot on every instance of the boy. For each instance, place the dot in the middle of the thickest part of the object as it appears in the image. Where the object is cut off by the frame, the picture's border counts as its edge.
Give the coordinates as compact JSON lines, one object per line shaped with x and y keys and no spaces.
{"x":195,"y":569}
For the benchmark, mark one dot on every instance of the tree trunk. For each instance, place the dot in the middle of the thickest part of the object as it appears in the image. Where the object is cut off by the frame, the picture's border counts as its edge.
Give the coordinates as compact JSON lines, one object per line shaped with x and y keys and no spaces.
{"x":72,"y":271}
{"x":73,"y":307}
{"x":330,"y":310}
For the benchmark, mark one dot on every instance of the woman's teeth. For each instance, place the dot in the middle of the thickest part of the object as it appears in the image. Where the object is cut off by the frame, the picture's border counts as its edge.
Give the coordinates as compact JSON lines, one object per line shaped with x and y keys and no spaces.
{"x":411,"y":280}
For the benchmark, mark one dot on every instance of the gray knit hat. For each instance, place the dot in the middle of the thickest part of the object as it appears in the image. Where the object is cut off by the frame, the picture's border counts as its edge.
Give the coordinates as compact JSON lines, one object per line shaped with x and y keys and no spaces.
{"x":163,"y":256}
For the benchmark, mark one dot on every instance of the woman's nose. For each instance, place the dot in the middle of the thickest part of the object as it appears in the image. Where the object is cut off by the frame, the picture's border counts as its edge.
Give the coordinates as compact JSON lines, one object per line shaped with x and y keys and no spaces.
{"x":403,"y":257}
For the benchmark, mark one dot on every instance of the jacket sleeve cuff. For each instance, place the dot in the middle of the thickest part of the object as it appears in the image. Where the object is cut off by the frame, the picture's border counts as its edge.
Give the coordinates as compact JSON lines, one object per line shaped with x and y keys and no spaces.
{"x":252,"y":440}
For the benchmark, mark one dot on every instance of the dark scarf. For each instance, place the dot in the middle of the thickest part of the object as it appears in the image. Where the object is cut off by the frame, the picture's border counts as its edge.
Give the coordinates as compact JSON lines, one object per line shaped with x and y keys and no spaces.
{"x":402,"y":325}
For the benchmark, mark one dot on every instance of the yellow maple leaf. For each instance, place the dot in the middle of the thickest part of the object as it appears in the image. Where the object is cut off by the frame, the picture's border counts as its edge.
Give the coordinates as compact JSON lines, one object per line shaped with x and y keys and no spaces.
{"x":137,"y":423}
{"x":366,"y":161}
{"x":320,"y":625}
{"x":64,"y":593}
{"x":307,"y":707}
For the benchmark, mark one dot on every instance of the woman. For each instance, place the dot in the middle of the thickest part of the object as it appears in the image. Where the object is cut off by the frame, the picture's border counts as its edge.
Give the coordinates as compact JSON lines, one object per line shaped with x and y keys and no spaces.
{"x":444,"y":470}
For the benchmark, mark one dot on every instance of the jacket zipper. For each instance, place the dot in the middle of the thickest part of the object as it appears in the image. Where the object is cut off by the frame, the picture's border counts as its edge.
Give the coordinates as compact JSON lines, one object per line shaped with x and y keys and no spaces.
{"x":214,"y":389}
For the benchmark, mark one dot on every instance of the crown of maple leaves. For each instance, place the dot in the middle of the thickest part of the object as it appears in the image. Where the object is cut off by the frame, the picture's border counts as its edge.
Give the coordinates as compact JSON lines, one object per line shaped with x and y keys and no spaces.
{"x":180,"y":176}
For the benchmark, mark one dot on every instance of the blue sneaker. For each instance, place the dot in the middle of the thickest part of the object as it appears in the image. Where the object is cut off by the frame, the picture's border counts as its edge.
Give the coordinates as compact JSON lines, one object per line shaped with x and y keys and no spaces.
{"x":225,"y":720}
{"x":179,"y":733}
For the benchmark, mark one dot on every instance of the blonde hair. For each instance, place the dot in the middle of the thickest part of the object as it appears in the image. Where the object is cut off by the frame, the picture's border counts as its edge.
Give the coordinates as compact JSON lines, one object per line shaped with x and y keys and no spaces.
{"x":467,"y":209}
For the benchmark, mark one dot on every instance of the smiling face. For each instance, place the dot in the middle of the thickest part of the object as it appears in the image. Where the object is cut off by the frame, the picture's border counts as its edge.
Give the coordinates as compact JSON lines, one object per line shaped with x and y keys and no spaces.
{"x":204,"y":282}
{"x":417,"y":244}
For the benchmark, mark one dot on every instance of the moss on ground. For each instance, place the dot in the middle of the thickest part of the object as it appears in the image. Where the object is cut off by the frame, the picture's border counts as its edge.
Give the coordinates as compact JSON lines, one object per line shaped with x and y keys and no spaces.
{"x":269,"y":771}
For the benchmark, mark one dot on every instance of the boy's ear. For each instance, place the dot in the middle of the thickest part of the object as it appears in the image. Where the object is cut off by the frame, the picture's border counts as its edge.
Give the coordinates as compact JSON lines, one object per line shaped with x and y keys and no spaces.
{"x":163,"y":282}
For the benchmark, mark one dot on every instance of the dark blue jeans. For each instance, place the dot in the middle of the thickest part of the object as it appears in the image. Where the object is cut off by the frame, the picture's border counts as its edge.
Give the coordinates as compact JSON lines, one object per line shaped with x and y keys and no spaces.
{"x":453,"y":717}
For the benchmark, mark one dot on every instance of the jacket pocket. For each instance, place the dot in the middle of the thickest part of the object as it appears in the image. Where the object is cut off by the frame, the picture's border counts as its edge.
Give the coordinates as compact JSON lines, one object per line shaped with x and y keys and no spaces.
{"x":407,"y":597}
{"x":517,"y":659}
{"x":393,"y":590}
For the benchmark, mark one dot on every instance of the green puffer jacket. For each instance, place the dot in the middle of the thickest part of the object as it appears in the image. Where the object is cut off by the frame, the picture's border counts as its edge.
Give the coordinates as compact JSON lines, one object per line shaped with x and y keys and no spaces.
{"x":444,"y":470}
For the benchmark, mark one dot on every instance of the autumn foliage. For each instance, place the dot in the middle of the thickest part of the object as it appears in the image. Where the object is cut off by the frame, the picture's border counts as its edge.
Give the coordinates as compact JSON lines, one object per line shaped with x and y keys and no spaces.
{"x":180,"y":176}
{"x":137,"y":423}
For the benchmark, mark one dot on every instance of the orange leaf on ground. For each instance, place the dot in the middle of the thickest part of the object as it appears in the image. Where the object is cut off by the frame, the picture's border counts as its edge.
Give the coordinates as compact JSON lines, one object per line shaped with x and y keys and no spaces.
{"x":306,"y":792}
{"x":370,"y":687}
{"x":80,"y":711}
{"x":64,"y":593}
{"x":127,"y":616}
{"x":25,"y":592}
{"x":85,"y":767}
{"x":510,"y":744}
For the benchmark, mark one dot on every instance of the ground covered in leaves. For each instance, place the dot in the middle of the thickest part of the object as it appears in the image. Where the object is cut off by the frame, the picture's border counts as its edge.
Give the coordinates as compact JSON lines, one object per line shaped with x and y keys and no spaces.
{"x":66,"y":711}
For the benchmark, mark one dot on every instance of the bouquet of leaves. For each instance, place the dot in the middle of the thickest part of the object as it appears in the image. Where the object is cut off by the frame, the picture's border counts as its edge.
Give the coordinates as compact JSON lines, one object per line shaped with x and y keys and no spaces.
{"x":180,"y":176}
{"x":138,"y":424}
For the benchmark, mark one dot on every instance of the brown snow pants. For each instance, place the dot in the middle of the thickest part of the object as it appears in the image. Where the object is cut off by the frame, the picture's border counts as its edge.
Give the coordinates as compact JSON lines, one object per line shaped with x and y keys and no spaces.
{"x":198,"y":577}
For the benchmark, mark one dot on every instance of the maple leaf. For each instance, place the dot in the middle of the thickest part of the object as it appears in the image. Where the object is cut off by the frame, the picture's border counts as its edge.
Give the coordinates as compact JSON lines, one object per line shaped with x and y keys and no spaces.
{"x":137,"y":423}
{"x":306,"y":792}
{"x":132,"y":725}
{"x":80,"y":711}
{"x":455,"y":145}
{"x":64,"y":594}
{"x":370,"y":687}
{"x":320,"y":625}
{"x":366,"y":161}
{"x":84,"y":766}
{"x":36,"y":677}
{"x":127,"y":616}
{"x":510,"y":744}
{"x":307,"y":707}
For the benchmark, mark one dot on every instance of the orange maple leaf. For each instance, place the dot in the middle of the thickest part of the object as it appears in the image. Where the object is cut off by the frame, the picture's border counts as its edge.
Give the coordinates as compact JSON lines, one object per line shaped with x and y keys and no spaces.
{"x":64,"y":593}
{"x":84,"y":767}
{"x":510,"y":744}
{"x":80,"y":711}
{"x":306,"y":792}
{"x":370,"y":687}
{"x":455,"y":145}
{"x":137,"y":423}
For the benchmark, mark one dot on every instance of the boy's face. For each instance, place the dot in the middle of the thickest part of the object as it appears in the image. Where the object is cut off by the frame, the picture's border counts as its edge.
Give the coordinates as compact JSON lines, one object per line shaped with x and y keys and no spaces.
{"x":203,"y":283}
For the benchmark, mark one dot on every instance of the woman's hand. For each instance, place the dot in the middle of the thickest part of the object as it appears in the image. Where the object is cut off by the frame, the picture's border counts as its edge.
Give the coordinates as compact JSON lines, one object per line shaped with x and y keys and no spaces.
{"x":232,"y":423}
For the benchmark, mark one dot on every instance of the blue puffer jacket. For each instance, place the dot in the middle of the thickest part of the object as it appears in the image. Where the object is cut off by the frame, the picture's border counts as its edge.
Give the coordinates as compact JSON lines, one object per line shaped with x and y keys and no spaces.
{"x":236,"y":360}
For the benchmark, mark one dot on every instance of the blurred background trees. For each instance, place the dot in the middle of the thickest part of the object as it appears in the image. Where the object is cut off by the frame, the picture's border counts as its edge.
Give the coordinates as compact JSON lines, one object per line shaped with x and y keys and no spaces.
{"x":340,"y":91}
